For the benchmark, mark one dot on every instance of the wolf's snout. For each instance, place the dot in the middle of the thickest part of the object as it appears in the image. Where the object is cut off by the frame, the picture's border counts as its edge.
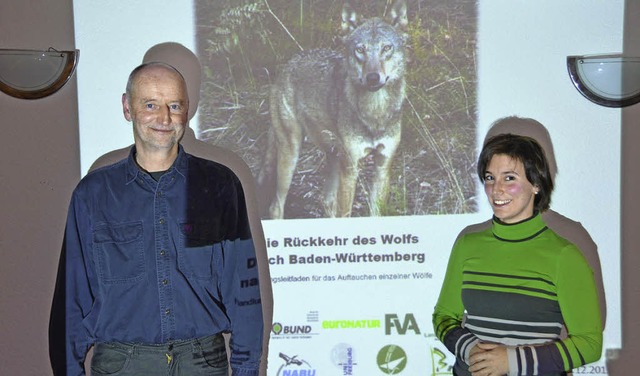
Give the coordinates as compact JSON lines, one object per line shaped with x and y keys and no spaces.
{"x":372,"y":81}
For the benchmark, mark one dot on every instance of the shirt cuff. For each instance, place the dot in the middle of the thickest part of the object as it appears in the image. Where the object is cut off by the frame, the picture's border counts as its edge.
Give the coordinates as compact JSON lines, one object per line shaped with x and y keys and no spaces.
{"x":512,"y":358}
{"x":468,"y":345}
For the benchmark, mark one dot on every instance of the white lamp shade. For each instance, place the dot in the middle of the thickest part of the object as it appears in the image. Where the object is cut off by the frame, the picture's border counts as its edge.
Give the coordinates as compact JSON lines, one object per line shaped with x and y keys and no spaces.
{"x":31,"y":74}
{"x":608,"y":80}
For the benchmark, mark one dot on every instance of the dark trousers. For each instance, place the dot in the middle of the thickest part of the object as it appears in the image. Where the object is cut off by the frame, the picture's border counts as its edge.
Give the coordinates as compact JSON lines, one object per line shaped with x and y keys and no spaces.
{"x":195,"y":357}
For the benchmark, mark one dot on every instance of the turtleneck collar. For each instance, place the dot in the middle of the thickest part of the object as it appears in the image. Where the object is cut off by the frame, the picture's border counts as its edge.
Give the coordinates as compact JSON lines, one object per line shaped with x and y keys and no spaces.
{"x":520,"y":231}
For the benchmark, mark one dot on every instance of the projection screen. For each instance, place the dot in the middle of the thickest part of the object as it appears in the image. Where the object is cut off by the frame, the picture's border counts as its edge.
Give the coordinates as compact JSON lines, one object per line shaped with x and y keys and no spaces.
{"x":355,"y":295}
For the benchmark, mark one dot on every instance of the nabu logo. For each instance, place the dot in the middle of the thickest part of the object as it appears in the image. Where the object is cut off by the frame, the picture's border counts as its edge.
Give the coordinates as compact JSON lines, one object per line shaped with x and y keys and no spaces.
{"x":294,"y":366}
{"x":392,"y":321}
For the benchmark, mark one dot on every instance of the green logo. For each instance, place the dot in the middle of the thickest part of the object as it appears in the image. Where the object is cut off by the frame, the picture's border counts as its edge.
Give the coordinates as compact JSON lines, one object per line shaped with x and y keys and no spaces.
{"x":277,"y":328}
{"x":391,"y":359}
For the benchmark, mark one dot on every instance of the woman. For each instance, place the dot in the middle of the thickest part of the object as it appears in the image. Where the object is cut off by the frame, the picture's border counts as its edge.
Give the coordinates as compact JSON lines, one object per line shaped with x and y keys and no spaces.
{"x":519,"y":282}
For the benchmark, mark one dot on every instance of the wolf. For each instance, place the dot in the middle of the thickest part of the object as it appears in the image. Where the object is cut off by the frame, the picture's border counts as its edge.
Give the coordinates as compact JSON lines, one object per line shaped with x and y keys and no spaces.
{"x":349,"y":104}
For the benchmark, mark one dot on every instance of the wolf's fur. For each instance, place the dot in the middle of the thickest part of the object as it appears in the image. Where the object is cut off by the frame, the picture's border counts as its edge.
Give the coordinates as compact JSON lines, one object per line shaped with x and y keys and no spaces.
{"x":348,"y":104}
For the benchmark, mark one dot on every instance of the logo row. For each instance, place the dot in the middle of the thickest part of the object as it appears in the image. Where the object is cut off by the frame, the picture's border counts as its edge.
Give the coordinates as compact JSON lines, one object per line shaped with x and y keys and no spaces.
{"x":391,"y":360}
{"x":393,"y":324}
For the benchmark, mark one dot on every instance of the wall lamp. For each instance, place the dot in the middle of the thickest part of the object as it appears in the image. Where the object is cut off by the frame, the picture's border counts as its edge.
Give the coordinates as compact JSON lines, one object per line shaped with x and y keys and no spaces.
{"x":33,"y":74}
{"x":611,"y":80}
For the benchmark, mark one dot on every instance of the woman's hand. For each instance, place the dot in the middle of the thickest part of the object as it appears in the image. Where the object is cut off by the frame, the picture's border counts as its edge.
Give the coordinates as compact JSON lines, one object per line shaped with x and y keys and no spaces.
{"x":488,"y":359}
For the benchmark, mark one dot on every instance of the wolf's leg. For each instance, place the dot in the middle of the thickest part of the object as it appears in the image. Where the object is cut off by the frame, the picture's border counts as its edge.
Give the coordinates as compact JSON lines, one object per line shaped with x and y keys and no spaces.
{"x":288,"y":137}
{"x":379,"y":192}
{"x":346,"y":186}
{"x":330,"y":186}
{"x":332,"y":180}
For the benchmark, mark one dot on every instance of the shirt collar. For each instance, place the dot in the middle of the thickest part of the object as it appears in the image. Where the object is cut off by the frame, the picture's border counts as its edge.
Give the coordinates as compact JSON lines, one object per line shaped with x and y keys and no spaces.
{"x":520,"y":231}
{"x":180,"y":165}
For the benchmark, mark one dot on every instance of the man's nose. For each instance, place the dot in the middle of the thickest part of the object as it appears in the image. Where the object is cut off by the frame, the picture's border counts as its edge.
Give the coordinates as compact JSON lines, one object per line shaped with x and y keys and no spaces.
{"x":165,"y":115}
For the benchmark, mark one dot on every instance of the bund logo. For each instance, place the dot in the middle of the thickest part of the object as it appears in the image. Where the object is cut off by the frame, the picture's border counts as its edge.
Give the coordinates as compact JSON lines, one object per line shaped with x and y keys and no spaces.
{"x":278,"y":329}
{"x":391,"y":359}
{"x":294,"y":366}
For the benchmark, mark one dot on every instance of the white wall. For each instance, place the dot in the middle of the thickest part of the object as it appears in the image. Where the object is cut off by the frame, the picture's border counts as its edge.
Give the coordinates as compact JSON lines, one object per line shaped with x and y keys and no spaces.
{"x":113,"y":37}
{"x":522,"y":51}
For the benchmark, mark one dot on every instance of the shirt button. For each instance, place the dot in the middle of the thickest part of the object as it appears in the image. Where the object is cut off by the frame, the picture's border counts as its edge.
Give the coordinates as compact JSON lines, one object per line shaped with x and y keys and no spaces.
{"x":165,"y":282}
{"x":161,"y":221}
{"x":159,"y":194}
{"x":167,"y":312}
{"x":162,"y":253}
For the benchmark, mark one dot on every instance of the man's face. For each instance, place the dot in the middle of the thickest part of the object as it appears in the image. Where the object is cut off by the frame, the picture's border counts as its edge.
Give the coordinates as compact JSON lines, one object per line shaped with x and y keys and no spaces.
{"x":158,"y":107}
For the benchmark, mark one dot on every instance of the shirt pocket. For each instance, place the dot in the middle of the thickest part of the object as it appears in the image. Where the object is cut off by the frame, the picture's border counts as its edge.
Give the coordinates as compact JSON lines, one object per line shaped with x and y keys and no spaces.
{"x":119,"y":252}
{"x":196,"y":249}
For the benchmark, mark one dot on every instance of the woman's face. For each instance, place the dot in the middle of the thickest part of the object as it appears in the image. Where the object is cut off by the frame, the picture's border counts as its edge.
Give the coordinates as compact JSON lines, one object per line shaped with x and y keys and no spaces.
{"x":509,"y":192}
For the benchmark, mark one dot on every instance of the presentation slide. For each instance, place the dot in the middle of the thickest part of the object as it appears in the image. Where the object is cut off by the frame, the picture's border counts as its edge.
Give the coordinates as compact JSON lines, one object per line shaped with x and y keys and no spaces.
{"x":363,"y":196}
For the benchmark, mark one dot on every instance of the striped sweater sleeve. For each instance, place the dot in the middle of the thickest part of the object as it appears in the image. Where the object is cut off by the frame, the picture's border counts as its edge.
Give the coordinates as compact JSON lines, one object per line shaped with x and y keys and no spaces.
{"x":578,"y":302}
{"x":449,"y":311}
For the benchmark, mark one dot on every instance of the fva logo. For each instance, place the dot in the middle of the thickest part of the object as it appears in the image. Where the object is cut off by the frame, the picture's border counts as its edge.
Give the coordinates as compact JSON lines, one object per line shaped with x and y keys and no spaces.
{"x":392,"y":321}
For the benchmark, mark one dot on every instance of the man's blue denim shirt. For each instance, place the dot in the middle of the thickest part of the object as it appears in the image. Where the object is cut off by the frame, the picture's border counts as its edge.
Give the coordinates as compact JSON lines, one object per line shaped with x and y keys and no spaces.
{"x":155,"y":262}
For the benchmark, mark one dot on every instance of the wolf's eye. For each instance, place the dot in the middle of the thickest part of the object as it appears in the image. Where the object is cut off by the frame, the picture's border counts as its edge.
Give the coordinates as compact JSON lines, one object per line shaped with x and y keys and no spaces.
{"x":386,"y":48}
{"x":360,"y":49}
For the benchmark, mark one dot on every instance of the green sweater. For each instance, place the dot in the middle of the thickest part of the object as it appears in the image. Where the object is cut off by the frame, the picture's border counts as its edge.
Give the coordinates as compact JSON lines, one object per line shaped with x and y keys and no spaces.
{"x":519,"y":284}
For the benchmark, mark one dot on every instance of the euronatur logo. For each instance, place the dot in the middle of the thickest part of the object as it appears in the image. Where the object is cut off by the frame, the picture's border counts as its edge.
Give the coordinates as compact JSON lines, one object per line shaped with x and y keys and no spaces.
{"x":391,"y":359}
{"x":294,"y":366}
{"x":350,"y":324}
{"x":343,"y":357}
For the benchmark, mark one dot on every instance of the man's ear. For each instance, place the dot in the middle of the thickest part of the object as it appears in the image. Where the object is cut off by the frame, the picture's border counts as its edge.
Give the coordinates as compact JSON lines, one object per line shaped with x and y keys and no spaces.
{"x":125,"y":107}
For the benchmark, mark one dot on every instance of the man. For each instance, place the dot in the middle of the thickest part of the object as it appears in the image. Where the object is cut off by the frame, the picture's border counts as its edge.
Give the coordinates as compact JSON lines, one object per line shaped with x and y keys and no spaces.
{"x":158,"y":259}
{"x":188,"y":64}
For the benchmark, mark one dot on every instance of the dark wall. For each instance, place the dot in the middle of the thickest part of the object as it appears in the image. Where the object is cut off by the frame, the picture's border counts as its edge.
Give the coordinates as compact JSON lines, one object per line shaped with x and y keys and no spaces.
{"x":39,"y":166}
{"x":39,"y":159}
{"x":628,"y":362}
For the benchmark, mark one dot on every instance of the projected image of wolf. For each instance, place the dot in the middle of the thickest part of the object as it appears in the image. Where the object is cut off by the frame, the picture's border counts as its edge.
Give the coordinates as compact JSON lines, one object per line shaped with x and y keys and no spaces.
{"x":344,"y":109}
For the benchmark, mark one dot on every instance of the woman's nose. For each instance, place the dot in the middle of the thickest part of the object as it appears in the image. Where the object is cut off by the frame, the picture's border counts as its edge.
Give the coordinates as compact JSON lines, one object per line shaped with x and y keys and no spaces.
{"x":498,"y":187}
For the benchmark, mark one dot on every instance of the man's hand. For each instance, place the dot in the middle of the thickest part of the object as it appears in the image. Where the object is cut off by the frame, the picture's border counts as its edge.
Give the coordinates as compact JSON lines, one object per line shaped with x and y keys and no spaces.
{"x":488,"y":359}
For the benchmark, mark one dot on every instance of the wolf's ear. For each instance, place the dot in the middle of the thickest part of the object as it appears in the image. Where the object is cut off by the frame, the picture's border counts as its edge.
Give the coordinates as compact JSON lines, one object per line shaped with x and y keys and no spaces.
{"x":397,"y":16}
{"x":349,"y":19}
